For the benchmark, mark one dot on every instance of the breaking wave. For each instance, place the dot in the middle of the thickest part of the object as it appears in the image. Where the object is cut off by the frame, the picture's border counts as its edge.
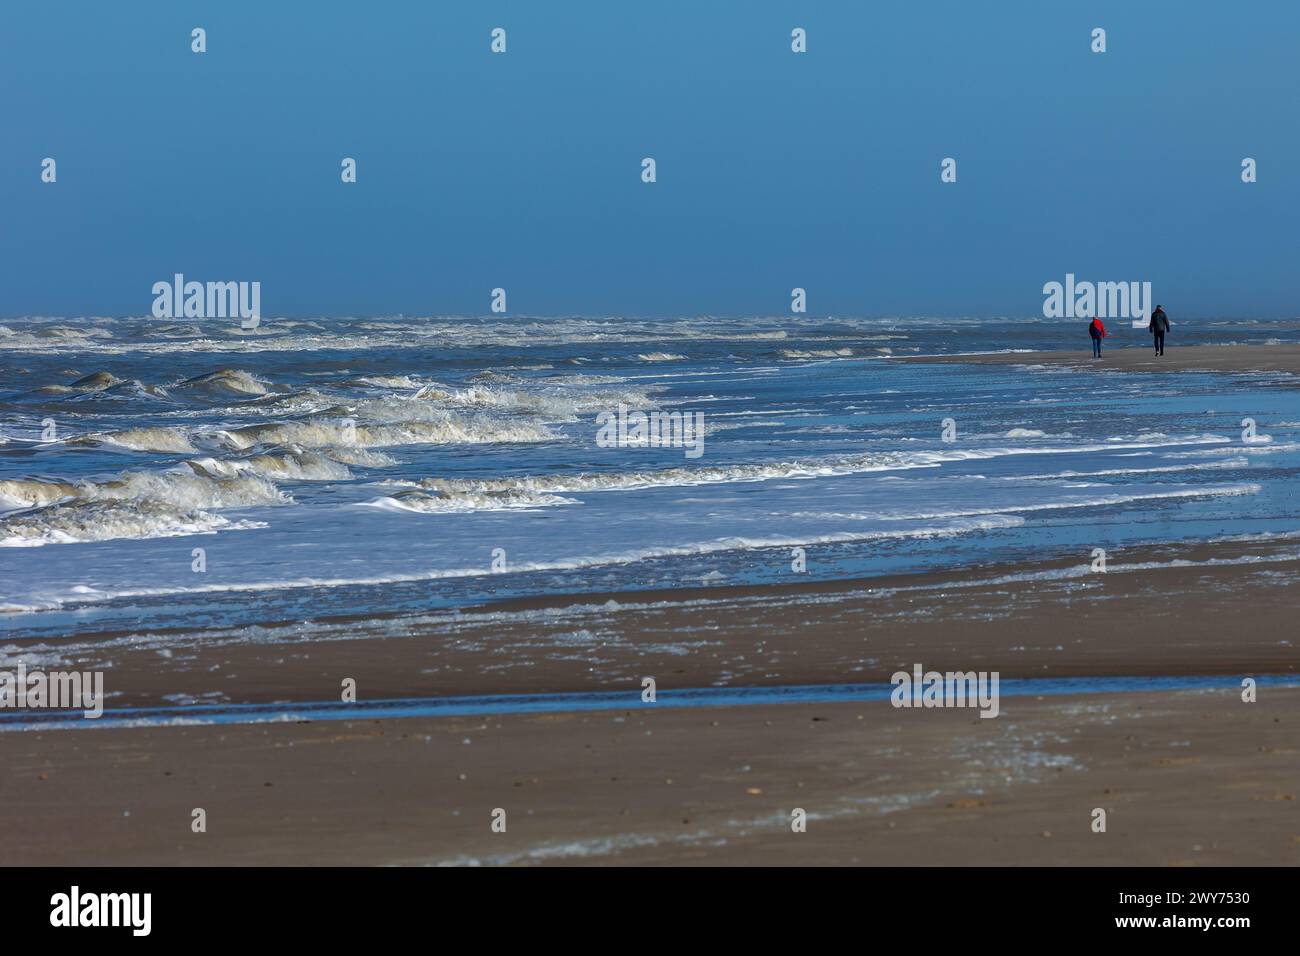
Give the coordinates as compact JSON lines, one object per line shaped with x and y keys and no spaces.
{"x":227,"y":382}
{"x":85,"y":521}
{"x":173,"y":488}
{"x":816,"y":353}
{"x":451,"y":499}
{"x":132,"y":505}
{"x":442,"y":429}
{"x":162,"y":438}
{"x":293,"y":464}
{"x":556,"y":407}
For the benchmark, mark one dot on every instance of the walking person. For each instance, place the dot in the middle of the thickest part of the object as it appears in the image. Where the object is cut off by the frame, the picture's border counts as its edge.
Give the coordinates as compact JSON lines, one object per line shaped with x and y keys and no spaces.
{"x":1158,"y":326}
{"x":1097,"y":332}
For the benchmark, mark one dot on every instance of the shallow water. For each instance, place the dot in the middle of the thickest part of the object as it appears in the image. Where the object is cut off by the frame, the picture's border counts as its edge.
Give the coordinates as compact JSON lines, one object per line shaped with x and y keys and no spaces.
{"x":371,"y":466}
{"x":503,"y":704}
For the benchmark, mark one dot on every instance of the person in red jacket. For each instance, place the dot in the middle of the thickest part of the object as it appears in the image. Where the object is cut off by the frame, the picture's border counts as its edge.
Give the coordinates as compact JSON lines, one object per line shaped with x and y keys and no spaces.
{"x":1097,"y":331}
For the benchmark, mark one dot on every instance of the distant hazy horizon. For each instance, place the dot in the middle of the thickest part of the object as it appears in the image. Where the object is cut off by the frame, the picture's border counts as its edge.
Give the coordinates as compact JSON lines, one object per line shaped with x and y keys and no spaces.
{"x":1177,"y":315}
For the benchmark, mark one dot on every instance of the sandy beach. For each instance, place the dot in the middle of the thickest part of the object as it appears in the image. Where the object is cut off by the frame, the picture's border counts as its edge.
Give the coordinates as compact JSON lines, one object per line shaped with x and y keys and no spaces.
{"x":1186,"y":778}
{"x":1140,"y":358}
{"x":1223,"y":608}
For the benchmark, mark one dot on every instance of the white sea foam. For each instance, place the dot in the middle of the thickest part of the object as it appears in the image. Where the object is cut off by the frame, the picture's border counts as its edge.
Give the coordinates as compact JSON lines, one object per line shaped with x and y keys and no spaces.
{"x":51,"y":337}
{"x":1092,"y":501}
{"x":387,"y":381}
{"x":160,"y":438}
{"x":712,"y":474}
{"x":1113,"y":472}
{"x":948,"y":528}
{"x":291,"y":463}
{"x":672,"y":477}
{"x":178,"y":489}
{"x":132,"y":505}
{"x":85,"y":521}
{"x":438,"y":429}
{"x":453,"y":501}
{"x":555,"y":404}
{"x":1271,"y":448}
{"x":1086,"y":571}
{"x":360,"y":457}
{"x":816,"y":353}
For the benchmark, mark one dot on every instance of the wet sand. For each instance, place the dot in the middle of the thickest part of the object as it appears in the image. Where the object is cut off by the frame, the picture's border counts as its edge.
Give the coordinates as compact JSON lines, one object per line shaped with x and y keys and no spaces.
{"x":1186,"y":778}
{"x":1172,"y":620}
{"x":1141,"y":358}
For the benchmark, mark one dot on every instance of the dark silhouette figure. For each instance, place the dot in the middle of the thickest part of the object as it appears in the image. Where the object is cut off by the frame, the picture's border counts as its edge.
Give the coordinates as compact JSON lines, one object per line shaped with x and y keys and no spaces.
{"x":1158,"y":326}
{"x":1097,"y":332}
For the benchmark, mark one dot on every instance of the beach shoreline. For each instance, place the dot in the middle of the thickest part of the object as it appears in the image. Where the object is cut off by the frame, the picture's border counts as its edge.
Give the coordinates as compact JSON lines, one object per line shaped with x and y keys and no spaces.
{"x":1135,"y":358}
{"x":1157,"y":611}
{"x":1192,"y":776}
{"x":1191,"y":772}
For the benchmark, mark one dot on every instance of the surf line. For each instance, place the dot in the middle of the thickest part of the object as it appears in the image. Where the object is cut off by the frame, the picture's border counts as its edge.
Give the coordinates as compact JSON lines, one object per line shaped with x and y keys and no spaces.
{"x":625,"y":700}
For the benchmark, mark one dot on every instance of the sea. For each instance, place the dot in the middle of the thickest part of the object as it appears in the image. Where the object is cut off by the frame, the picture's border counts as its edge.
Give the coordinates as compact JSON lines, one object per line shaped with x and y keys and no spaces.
{"x":191,"y":474}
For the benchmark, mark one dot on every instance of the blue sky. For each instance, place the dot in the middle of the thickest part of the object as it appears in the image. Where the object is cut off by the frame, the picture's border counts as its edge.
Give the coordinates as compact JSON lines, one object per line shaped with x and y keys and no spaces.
{"x":775,"y":170}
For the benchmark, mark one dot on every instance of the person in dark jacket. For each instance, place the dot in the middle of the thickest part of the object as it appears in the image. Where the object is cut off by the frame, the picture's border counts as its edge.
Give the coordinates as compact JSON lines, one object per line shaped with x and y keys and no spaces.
{"x":1097,"y":332}
{"x":1158,"y":326}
